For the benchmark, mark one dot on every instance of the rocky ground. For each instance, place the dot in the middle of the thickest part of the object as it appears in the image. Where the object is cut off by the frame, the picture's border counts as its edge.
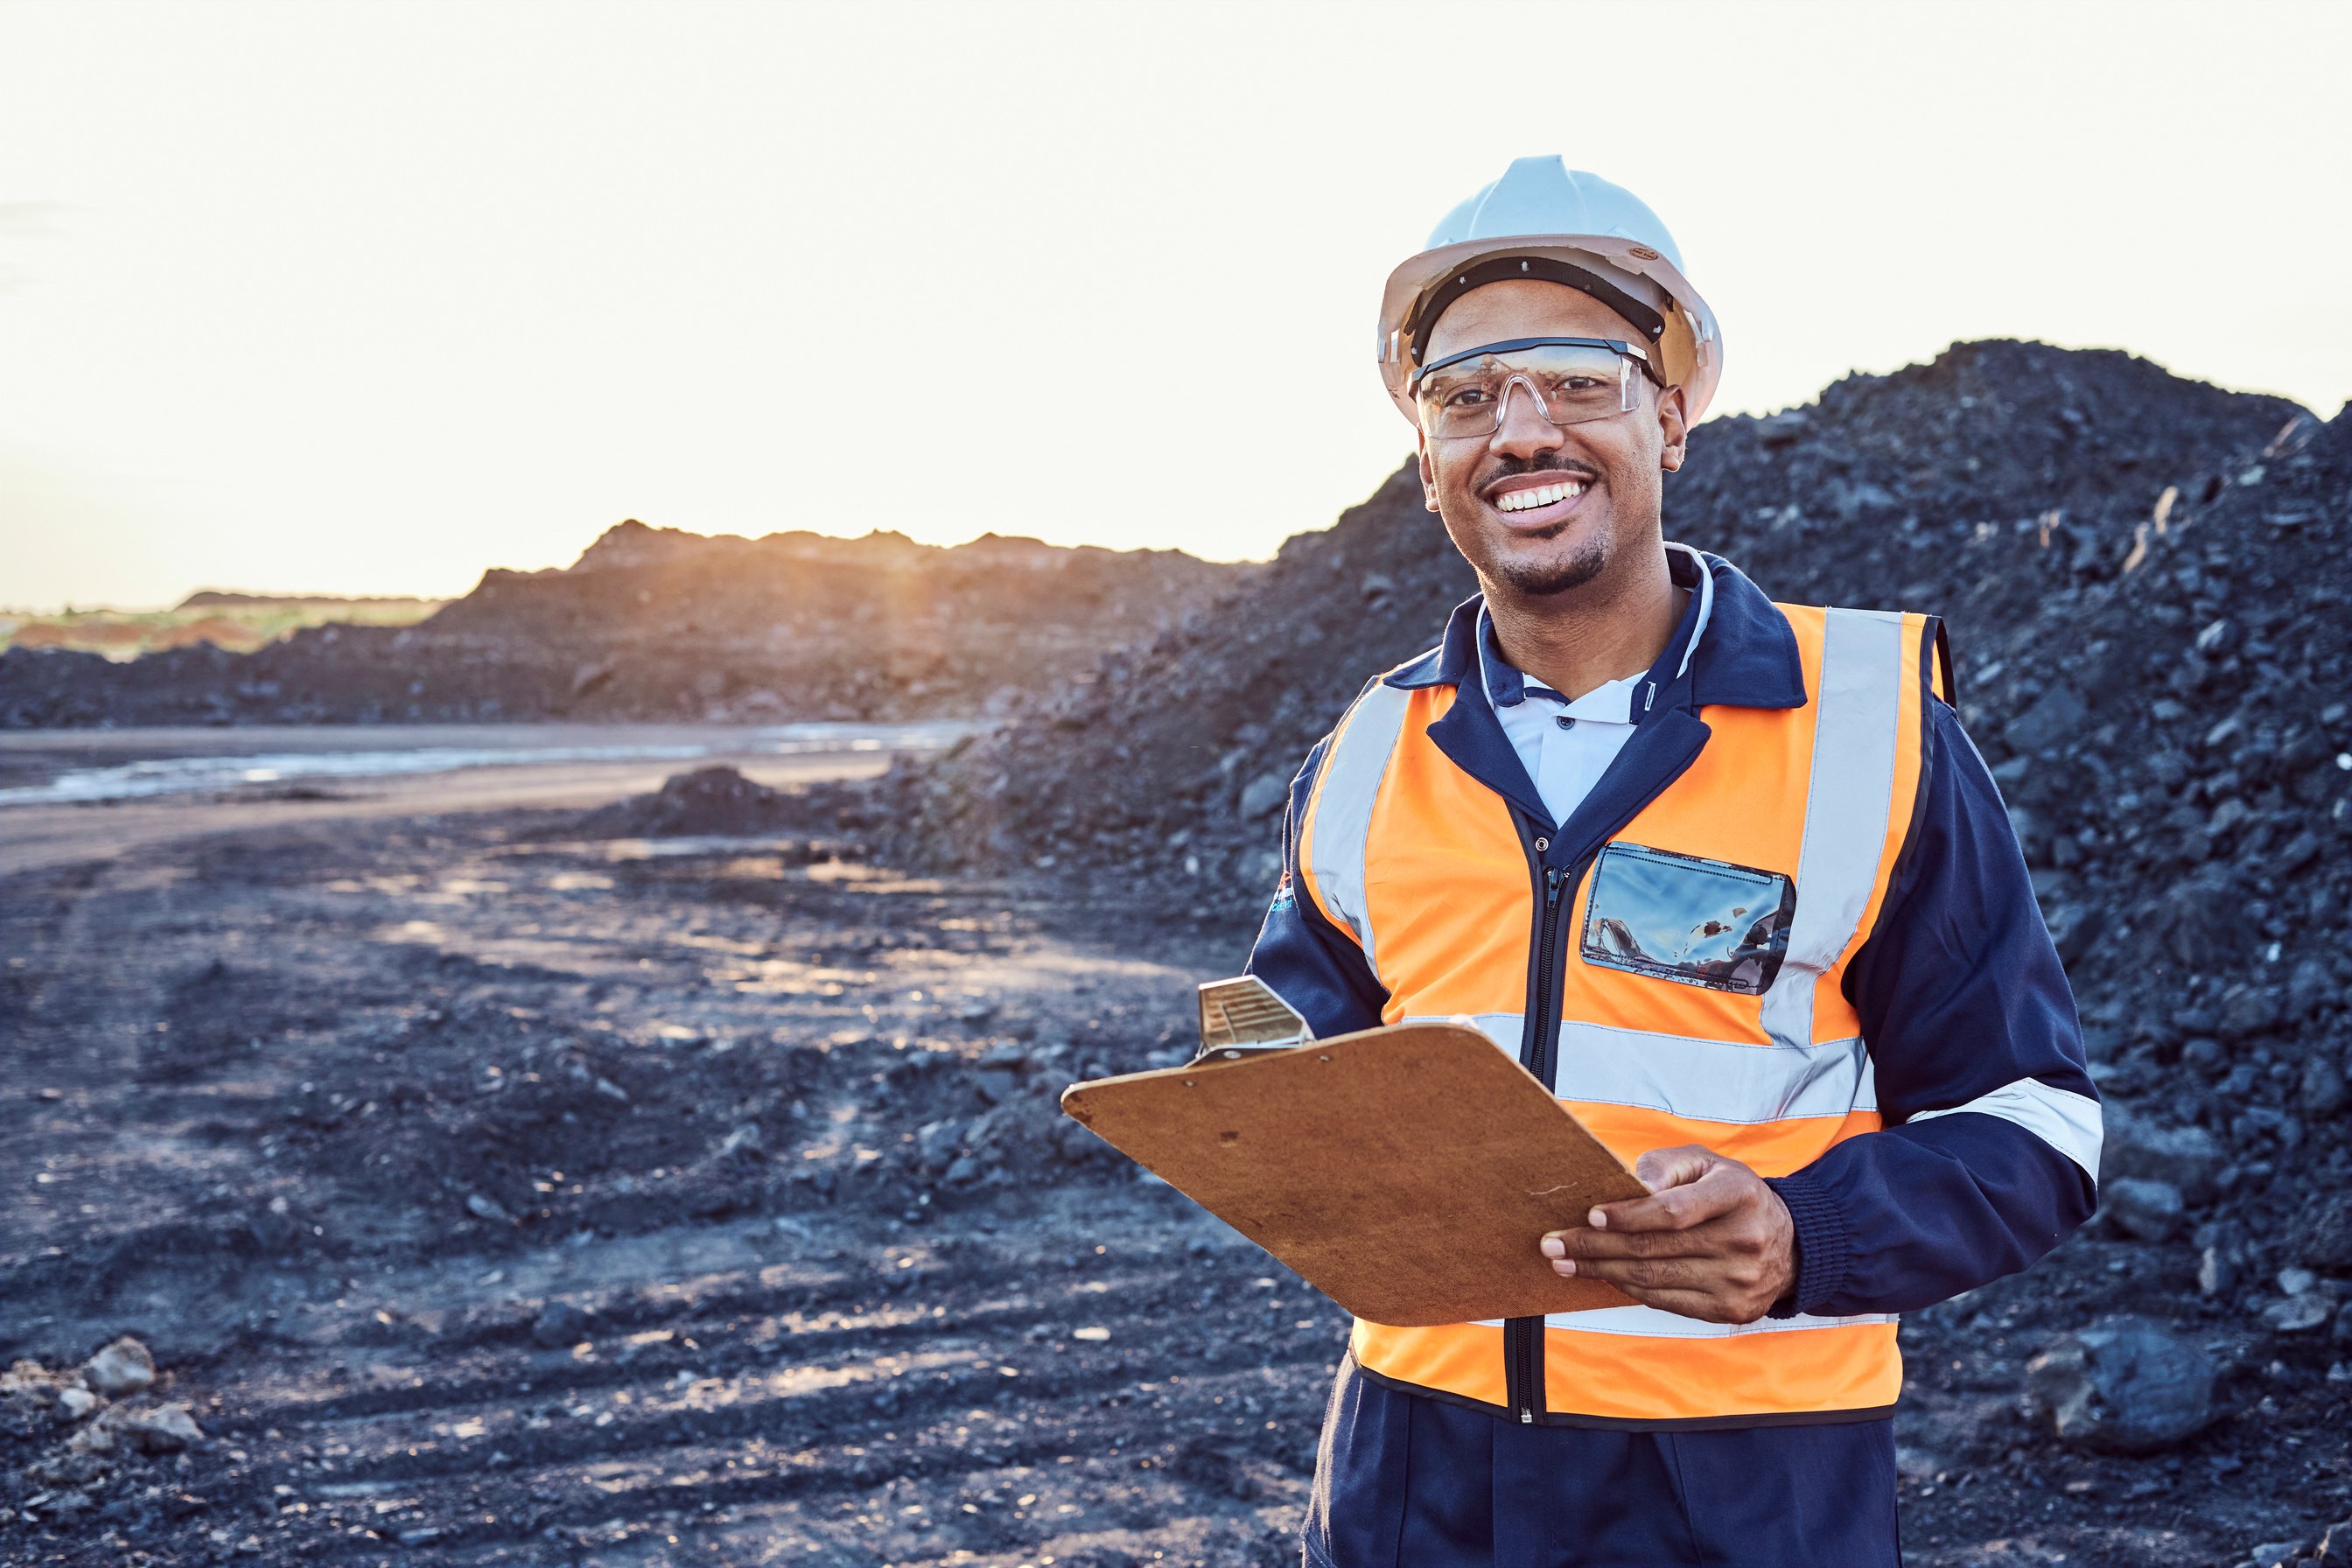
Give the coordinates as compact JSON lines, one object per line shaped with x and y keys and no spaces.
{"x":487,"y":1192}
{"x":660,"y":624}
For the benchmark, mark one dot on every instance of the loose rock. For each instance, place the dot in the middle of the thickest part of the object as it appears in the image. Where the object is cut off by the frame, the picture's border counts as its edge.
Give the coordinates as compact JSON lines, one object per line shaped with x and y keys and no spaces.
{"x":1264,"y":795}
{"x":123,"y":1367}
{"x":2300,"y":1314}
{"x":2322,"y":1088}
{"x":2322,"y":1233}
{"x":2131,"y":1387}
{"x":155,"y":1429}
{"x":483,"y":1206}
{"x":2138,"y":1147}
{"x":559,"y":1324}
{"x":2143,"y":1209}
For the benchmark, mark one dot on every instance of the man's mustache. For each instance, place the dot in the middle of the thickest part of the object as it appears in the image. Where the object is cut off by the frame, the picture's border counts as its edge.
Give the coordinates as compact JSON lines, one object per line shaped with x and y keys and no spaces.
{"x":1542,"y":463}
{"x":1511,"y":468}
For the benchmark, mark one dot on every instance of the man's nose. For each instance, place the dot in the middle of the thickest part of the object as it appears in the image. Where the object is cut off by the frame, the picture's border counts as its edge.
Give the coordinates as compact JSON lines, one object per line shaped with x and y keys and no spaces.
{"x":1521,"y":430}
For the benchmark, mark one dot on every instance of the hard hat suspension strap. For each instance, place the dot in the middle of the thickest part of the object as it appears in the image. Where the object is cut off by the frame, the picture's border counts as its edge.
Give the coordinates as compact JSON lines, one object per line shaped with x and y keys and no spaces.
{"x":1543,"y":269}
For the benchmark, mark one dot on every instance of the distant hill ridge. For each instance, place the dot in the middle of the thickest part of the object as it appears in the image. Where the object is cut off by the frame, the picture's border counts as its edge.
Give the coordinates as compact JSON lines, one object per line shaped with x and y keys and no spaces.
{"x":222,"y":598}
{"x":656,"y":623}
{"x":633,"y":543}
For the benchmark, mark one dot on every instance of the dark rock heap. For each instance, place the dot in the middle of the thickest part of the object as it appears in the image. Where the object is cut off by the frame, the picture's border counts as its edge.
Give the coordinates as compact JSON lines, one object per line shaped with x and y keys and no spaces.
{"x":716,"y":801}
{"x":2003,"y":486}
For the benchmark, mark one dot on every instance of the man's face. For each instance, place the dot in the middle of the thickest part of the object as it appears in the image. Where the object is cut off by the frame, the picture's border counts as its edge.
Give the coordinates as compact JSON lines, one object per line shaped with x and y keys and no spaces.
{"x":1610,"y":465}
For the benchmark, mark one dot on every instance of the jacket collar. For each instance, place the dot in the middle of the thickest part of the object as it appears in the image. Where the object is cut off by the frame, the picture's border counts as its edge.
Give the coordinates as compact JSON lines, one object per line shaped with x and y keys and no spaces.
{"x":1744,"y":656}
{"x":1506,"y":686}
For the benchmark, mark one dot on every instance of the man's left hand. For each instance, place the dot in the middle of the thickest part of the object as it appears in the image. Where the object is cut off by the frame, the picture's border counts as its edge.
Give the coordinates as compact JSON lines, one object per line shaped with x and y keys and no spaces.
{"x":1711,"y":1241}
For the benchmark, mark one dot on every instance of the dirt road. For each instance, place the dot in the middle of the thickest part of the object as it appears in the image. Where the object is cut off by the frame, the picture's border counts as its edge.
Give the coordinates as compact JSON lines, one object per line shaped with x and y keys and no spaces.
{"x":489,"y":1195}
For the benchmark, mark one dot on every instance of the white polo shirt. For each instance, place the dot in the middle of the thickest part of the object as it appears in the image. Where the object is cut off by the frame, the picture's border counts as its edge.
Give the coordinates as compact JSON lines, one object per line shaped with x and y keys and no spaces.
{"x":1567,"y":746}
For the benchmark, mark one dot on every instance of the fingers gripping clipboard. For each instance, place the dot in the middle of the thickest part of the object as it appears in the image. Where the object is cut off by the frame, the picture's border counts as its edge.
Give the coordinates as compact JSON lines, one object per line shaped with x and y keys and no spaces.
{"x":1407,"y":1172}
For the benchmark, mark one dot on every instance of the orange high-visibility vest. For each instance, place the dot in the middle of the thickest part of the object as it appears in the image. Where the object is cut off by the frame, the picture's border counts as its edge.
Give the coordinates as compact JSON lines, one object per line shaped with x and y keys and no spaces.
{"x":1689,"y":974}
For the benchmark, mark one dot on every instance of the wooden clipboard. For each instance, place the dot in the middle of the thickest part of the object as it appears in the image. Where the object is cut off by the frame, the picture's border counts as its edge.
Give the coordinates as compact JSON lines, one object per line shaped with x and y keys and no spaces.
{"x":1407,"y":1172}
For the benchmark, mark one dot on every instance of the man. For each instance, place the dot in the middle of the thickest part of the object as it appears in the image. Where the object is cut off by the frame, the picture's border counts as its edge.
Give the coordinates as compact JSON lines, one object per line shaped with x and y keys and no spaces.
{"x":1727,"y":876}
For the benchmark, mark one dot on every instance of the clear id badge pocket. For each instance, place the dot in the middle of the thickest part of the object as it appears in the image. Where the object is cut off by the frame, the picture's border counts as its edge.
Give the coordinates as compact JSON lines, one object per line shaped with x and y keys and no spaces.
{"x":1693,"y":922}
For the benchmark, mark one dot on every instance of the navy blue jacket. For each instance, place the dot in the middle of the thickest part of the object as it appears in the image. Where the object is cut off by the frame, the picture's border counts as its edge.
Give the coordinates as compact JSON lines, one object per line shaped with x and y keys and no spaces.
{"x":1957,"y":986}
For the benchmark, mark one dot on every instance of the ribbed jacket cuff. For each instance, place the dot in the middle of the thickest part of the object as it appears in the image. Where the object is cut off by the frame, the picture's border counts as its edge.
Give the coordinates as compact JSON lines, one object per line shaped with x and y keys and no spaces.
{"x":1823,"y":1246}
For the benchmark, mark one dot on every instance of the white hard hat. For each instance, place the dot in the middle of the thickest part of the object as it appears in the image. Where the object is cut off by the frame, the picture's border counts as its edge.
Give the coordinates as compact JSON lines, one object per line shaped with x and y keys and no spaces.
{"x":1566,"y":226}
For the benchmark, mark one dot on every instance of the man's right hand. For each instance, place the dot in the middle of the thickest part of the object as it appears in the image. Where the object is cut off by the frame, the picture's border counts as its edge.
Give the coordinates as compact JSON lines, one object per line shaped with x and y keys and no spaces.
{"x":1712,"y":1241}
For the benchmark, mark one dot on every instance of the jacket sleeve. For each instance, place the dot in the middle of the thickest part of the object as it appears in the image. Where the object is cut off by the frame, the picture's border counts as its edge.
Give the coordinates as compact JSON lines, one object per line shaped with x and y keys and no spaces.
{"x":1303,"y":958}
{"x":1991,"y":1148}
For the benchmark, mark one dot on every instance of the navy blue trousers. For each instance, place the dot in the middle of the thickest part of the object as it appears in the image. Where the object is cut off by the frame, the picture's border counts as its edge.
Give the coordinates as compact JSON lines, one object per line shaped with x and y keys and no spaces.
{"x":1405,"y":1481}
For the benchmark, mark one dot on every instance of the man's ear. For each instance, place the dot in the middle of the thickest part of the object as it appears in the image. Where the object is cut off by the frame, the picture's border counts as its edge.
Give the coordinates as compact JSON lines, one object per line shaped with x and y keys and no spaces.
{"x":1674,"y":424}
{"x":1428,"y":472}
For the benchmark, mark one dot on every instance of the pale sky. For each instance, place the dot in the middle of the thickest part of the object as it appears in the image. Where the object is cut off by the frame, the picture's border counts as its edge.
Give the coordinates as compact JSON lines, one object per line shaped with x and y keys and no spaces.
{"x":366,"y":298}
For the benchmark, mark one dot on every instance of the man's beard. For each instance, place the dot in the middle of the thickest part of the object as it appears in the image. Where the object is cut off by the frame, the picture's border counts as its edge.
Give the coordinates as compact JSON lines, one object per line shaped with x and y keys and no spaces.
{"x":1543,"y":579}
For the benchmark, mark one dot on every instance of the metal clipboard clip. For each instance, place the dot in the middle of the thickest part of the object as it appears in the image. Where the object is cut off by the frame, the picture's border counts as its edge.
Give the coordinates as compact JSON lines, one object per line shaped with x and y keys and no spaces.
{"x":1243,"y":1016}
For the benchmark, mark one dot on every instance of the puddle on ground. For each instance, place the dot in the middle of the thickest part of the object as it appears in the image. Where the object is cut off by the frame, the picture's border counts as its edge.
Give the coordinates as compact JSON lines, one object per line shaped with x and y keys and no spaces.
{"x":146,"y":777}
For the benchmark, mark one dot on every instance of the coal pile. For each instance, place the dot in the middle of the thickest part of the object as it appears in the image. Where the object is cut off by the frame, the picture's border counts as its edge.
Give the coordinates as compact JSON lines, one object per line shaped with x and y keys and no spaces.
{"x":656,"y":623}
{"x":1994,"y":486}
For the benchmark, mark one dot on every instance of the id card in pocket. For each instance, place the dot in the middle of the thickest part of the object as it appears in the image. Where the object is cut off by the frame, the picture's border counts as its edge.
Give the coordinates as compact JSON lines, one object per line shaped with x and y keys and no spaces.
{"x":1688,"y":919}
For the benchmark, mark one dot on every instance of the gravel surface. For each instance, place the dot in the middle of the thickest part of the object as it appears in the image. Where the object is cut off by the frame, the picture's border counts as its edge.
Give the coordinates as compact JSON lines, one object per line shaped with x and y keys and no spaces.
{"x":487,"y":1196}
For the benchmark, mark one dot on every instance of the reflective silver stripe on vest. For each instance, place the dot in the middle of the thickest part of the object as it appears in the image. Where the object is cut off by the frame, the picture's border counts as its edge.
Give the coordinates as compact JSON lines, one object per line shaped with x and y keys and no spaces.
{"x":1650,"y":1323}
{"x":1702,"y":1081}
{"x":1343,"y":821}
{"x":1505,"y":1029}
{"x":2067,"y":1121}
{"x":1857,"y":713}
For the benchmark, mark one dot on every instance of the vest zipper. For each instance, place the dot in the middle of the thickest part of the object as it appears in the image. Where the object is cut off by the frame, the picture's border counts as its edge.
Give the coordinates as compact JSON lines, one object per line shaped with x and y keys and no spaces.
{"x":1543,"y":1059}
{"x":1661,"y":763}
{"x":1538,"y":1050}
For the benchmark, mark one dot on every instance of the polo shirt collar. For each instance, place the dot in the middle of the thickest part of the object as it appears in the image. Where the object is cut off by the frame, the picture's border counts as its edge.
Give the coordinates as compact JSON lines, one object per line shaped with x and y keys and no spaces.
{"x":1508,"y":685}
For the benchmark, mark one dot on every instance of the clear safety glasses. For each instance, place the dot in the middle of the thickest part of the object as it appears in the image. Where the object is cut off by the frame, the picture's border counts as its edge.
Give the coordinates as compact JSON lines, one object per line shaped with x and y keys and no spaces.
{"x":1573,"y":380}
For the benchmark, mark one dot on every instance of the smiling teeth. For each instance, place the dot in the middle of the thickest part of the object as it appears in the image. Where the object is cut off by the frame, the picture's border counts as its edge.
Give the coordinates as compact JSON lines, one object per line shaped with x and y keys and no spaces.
{"x":1527,"y":501}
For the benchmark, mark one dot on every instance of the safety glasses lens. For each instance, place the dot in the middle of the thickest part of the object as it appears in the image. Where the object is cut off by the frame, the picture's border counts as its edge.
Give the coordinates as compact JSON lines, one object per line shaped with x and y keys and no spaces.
{"x":1570,"y":383}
